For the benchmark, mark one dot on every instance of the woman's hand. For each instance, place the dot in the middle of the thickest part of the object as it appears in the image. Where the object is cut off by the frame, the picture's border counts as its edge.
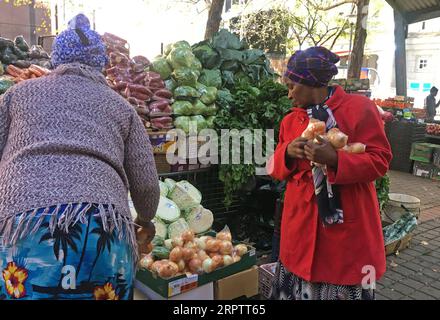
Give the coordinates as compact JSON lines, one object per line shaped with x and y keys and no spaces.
{"x":295,"y":150}
{"x":322,"y":153}
{"x":145,"y":231}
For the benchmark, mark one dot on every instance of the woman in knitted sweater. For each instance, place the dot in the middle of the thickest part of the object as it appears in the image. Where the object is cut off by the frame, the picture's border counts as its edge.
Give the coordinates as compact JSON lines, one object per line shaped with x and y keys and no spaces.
{"x":71,"y":149}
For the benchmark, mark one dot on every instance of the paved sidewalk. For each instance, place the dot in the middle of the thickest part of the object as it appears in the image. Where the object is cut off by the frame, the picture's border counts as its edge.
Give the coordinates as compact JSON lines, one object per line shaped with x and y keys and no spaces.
{"x":414,"y":274}
{"x":426,"y":190}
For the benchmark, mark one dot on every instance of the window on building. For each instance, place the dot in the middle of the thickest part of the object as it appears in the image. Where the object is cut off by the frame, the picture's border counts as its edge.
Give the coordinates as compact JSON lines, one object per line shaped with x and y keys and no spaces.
{"x":423,"y":25}
{"x":422,"y":64}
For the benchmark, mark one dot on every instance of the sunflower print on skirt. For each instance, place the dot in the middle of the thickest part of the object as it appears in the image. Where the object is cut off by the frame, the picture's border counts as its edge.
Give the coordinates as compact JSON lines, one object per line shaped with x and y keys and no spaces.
{"x":85,"y":262}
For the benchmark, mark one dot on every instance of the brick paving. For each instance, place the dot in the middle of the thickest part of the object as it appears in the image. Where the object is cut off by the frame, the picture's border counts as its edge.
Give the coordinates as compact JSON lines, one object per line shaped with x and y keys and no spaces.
{"x":414,"y":274}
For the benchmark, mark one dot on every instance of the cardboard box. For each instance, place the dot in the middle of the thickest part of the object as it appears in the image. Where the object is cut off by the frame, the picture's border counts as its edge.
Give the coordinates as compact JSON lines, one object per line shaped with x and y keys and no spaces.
{"x":161,"y":141}
{"x":168,"y":288}
{"x":243,"y":284}
{"x":143,"y":292}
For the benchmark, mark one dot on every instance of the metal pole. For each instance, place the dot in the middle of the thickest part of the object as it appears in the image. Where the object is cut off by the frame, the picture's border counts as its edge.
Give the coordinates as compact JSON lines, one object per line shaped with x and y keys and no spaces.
{"x":350,"y":48}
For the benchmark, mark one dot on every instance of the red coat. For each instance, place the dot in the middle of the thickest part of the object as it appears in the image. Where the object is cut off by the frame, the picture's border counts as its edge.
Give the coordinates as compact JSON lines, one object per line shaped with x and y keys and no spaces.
{"x":335,"y":254}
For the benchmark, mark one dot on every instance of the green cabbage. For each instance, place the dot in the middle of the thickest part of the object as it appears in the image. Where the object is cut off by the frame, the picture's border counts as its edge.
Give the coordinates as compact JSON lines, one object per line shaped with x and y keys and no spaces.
{"x":209,"y":96}
{"x":167,"y":210}
{"x":161,"y":228}
{"x":210,"y":110}
{"x":182,"y":123}
{"x":176,"y":229}
{"x":199,"y":219}
{"x":182,"y":108}
{"x":170,"y":184}
{"x":163,"y":189}
{"x":211,"y":78}
{"x":209,"y":58}
{"x":171,"y":84}
{"x":186,"y":77}
{"x":180,"y":58}
{"x":185,"y":93}
{"x":199,"y":108}
{"x":210,"y":122}
{"x":161,"y":66}
{"x":185,"y":195}
{"x":200,"y":122}
{"x":196,"y":65}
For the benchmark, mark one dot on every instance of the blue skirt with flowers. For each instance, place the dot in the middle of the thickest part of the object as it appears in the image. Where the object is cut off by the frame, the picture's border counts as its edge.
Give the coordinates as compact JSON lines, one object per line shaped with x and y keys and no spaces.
{"x":79,"y":259}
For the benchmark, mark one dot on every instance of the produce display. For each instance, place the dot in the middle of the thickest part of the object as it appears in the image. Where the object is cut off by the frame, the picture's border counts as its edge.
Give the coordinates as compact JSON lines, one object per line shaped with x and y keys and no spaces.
{"x":433,"y":129}
{"x":143,"y":89}
{"x":188,"y":254}
{"x":193,"y":91}
{"x":17,"y":52}
{"x":352,"y":85}
{"x":19,"y":62}
{"x":398,"y":102}
{"x":181,"y":244}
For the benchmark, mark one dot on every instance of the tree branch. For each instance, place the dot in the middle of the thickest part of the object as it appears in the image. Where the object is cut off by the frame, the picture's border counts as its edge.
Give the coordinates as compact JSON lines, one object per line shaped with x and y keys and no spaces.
{"x":335,"y":5}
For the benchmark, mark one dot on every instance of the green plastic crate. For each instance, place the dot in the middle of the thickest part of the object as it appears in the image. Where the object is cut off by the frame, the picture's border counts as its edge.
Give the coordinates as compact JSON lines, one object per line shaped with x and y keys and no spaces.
{"x":422,"y":152}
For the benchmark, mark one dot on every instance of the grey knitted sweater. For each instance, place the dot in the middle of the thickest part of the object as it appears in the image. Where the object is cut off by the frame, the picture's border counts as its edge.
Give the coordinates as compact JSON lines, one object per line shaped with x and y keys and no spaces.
{"x":69,"y":138}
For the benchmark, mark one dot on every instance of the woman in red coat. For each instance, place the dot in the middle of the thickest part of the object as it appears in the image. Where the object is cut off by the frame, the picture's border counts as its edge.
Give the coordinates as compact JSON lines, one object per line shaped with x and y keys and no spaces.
{"x":332,"y":244}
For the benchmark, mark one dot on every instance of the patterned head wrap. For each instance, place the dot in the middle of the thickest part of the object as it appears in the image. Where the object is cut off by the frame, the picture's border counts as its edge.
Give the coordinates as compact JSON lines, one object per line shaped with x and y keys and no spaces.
{"x":313,"y":67}
{"x":79,"y":44}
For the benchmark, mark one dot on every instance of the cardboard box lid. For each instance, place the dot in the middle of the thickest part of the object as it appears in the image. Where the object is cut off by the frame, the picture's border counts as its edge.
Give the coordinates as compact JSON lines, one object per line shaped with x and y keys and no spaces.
{"x":241,"y":284}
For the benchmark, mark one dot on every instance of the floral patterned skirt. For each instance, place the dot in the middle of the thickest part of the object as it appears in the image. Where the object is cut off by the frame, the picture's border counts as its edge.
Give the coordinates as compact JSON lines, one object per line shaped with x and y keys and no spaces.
{"x":287,"y":286}
{"x":80,"y":261}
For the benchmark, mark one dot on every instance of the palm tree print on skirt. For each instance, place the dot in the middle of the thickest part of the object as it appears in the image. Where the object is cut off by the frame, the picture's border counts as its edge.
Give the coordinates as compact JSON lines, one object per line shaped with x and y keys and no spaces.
{"x":81,"y":260}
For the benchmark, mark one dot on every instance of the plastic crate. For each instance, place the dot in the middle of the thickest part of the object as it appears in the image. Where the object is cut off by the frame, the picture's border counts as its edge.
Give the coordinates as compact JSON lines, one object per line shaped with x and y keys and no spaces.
{"x":436,"y":156}
{"x":423,"y":170}
{"x":422,"y":152}
{"x":266,"y":277}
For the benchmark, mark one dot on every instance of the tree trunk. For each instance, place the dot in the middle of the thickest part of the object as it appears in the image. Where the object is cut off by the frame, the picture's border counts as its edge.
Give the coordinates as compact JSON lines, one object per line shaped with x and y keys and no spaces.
{"x":357,"y":55}
{"x":214,"y":18}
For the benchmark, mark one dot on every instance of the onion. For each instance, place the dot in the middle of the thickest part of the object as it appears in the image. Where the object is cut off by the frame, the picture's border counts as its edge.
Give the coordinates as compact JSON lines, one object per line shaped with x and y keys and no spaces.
{"x":167,"y":270}
{"x":207,"y":265}
{"x":241,"y":249}
{"x":236,"y":258}
{"x":227,"y":260}
{"x":195,"y":266}
{"x":213,"y":245}
{"x":337,"y":138}
{"x":168,"y":244}
{"x":226,"y":247}
{"x":190,"y":245}
{"x":177,"y":242}
{"x":355,"y":148}
{"x":224,"y":236}
{"x":146,"y":262}
{"x":202,"y":255}
{"x":206,"y":238}
{"x":188,"y":236}
{"x":157,"y":264}
{"x":212,"y":254}
{"x":181,"y":265}
{"x":200,"y":243}
{"x":145,"y":248}
{"x":174,"y":266}
{"x":217,"y":261}
{"x":187,"y":254}
{"x":176,"y":254}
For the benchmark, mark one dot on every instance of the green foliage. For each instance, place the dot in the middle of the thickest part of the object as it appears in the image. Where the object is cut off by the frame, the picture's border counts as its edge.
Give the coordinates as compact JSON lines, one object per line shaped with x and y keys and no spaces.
{"x":249,"y":107}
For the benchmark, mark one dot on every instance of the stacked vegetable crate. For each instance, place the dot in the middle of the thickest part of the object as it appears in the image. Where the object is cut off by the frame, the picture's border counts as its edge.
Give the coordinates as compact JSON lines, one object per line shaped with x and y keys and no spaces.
{"x":426,"y":158}
{"x":401,"y":136}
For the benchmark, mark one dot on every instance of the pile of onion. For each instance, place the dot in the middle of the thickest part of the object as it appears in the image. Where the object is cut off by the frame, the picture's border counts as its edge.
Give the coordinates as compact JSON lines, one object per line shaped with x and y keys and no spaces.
{"x":189,"y":254}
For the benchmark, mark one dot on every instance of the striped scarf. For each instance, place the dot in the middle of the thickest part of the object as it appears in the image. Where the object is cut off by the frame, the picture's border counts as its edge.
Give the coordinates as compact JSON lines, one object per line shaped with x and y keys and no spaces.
{"x":327,"y":197}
